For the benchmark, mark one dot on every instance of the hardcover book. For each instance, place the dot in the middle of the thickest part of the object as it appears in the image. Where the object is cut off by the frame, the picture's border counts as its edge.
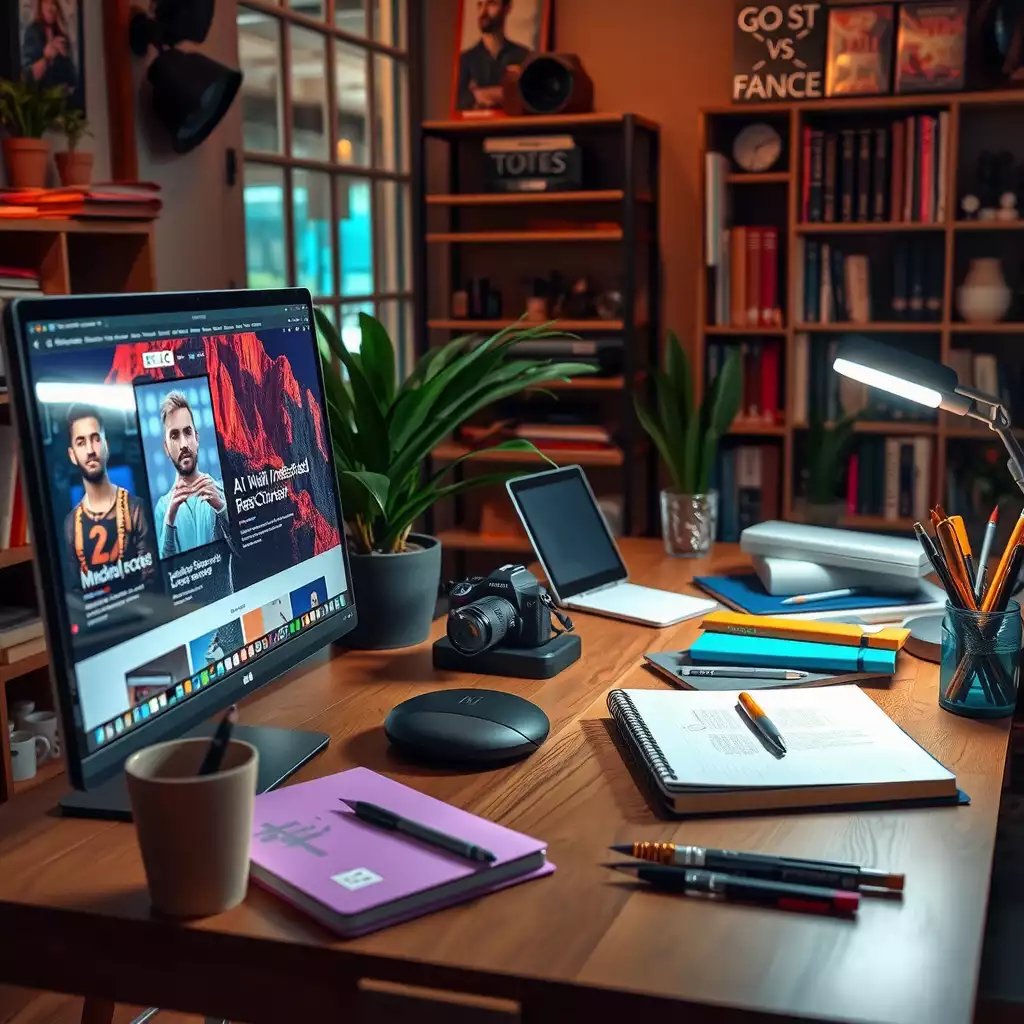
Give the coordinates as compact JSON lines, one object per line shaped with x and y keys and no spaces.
{"x":860,"y":45}
{"x":932,"y":47}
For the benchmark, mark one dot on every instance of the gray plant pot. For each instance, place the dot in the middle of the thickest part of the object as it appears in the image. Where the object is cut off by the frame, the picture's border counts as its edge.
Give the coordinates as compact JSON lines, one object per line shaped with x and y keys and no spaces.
{"x":395,"y":596}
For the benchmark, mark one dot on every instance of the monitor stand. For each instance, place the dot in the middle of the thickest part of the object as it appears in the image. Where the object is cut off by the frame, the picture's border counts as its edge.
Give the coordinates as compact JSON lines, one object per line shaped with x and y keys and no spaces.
{"x":282,"y":752}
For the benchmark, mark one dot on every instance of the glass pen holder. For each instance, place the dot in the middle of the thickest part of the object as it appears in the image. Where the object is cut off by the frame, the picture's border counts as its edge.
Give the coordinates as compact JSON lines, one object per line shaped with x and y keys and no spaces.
{"x":980,"y":662}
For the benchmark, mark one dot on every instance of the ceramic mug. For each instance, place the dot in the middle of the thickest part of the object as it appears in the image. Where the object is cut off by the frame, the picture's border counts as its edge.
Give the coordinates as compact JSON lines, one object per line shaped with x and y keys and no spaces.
{"x":19,"y":709}
{"x":44,"y":723}
{"x":27,"y":748}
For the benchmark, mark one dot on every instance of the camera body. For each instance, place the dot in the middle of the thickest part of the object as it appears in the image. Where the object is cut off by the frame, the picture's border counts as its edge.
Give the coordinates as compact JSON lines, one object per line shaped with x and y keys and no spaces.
{"x":509,"y":608}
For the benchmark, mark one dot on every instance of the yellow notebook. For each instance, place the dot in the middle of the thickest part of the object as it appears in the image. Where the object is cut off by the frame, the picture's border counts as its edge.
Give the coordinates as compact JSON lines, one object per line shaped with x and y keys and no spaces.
{"x":887,"y":638}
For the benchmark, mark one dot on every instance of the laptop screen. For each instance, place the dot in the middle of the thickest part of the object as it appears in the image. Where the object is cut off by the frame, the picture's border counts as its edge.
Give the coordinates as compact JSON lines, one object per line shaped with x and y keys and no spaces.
{"x":568,"y":531}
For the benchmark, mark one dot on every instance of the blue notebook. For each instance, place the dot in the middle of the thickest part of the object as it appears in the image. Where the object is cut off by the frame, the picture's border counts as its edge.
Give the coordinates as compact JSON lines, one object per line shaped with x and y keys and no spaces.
{"x":764,"y":652}
{"x":746,"y":593}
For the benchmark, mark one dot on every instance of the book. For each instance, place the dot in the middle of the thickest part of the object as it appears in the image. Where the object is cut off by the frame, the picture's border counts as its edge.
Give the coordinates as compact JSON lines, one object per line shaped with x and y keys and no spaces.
{"x":744,"y":592}
{"x":701,"y":756}
{"x":18,"y":626}
{"x":906,"y":497}
{"x":753,"y":297}
{"x":771,"y":313}
{"x":770,"y":377}
{"x":942,"y":186}
{"x":817,"y":196}
{"x":354,"y":878}
{"x":848,"y":176}
{"x":846,"y":634}
{"x":859,"y":61}
{"x":840,"y":308}
{"x":667,"y":664}
{"x":932,"y":46}
{"x":864,"y":194}
{"x":748,"y":485}
{"x":801,"y":380}
{"x":831,"y":171}
{"x":916,"y":299}
{"x":825,"y":311}
{"x":901,"y":283}
{"x":880,"y":178}
{"x":805,"y":179}
{"x":852,"y":484}
{"x":716,"y":167}
{"x":767,"y":652}
{"x":910,"y":168}
{"x":858,"y":289}
{"x":985,"y":371}
{"x":922,"y":478}
{"x":25,"y":649}
{"x":892,"y":479}
{"x":926,"y":208}
{"x":785,"y":577}
{"x":899,"y":157}
{"x":812,"y":283}
{"x":738,"y":279}
{"x":723,"y":282}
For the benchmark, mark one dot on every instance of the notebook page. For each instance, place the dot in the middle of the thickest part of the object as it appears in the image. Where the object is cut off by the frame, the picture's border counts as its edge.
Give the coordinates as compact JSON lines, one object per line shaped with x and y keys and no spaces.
{"x":836,"y":736}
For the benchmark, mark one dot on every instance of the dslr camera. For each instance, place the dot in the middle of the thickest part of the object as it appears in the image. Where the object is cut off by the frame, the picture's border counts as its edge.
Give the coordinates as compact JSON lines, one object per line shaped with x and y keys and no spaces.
{"x":509,"y":608}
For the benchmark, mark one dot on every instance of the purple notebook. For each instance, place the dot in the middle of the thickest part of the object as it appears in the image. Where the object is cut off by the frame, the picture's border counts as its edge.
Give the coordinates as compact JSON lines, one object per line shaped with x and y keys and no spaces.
{"x":355,"y":878}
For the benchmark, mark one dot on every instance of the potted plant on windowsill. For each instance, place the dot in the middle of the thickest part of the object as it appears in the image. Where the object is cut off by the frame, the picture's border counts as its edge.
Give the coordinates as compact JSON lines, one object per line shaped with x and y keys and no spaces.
{"x":74,"y":165}
{"x":686,"y":436}
{"x":28,"y":110}
{"x":383,"y":434}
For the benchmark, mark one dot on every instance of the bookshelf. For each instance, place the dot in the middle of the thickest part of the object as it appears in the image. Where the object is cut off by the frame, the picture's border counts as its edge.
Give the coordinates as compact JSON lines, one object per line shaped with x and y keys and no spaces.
{"x":976,"y":121}
{"x":70,"y":256}
{"x":605,"y":229}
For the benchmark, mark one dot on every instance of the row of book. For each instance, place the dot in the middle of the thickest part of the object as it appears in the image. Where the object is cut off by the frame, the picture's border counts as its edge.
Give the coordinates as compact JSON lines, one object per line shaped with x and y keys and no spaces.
{"x":748,"y":479}
{"x":21,"y":634}
{"x":128,"y":200}
{"x":761,"y":363}
{"x":747,"y":281}
{"x":890,"y":477}
{"x":836,"y":287}
{"x":14,"y":532}
{"x":895,"y":172}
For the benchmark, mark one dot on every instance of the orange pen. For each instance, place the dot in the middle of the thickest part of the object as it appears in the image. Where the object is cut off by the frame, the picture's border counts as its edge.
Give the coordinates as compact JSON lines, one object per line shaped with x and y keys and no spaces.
{"x":946,"y":534}
{"x":995,"y":588}
{"x":764,"y":725}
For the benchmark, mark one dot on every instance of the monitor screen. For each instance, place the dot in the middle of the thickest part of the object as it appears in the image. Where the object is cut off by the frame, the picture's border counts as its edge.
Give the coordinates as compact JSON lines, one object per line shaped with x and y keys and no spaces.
{"x":568,"y":531}
{"x":184,"y":504}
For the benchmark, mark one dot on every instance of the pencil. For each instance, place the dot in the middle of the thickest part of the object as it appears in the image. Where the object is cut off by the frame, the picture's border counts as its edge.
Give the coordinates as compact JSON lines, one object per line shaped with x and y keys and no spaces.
{"x":965,"y":547}
{"x":998,"y":577}
{"x":955,"y":562}
{"x":986,"y":552}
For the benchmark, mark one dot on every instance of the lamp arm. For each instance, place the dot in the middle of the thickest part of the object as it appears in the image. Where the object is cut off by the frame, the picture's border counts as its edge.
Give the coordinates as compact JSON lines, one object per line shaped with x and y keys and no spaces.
{"x":998,"y":420}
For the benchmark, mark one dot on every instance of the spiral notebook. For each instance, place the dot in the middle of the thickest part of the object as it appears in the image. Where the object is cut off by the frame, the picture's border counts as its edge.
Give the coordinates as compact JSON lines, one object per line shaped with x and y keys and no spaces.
{"x":703,"y":756}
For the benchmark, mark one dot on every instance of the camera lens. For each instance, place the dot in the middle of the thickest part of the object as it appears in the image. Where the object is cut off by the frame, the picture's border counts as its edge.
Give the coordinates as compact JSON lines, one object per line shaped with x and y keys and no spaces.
{"x":480,"y":625}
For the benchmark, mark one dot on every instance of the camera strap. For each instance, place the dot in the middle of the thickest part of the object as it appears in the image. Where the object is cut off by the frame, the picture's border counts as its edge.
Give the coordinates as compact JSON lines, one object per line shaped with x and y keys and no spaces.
{"x":564,"y":620}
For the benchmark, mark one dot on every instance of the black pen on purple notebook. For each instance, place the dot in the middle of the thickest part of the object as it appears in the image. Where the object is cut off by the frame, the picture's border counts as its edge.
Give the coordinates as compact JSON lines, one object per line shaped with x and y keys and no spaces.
{"x":215,"y":751}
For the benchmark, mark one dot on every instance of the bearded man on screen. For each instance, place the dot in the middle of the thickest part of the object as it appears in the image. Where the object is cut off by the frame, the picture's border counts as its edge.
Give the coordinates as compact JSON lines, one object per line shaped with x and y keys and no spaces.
{"x":194,"y":511}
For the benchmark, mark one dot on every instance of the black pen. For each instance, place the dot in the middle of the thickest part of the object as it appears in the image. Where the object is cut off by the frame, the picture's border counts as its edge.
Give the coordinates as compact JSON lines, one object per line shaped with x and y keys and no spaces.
{"x":829,"y":874}
{"x":383,"y":818}
{"x":215,"y":752}
{"x":939,"y":565}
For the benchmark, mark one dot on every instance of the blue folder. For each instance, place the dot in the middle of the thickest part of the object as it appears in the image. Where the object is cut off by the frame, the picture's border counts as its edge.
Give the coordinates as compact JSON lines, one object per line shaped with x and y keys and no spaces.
{"x":764,"y":652}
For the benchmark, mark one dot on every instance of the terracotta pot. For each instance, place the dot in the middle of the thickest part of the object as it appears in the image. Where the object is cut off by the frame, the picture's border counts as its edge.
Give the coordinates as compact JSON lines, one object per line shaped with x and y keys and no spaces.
{"x":26,"y":161}
{"x":74,"y":167}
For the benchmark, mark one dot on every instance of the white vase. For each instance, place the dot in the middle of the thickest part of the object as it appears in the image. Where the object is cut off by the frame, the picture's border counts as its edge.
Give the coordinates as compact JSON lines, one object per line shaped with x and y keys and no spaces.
{"x":984,"y":297}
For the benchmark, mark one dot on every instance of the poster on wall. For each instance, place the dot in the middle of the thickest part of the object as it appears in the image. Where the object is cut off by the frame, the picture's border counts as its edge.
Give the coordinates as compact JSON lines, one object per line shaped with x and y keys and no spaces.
{"x":43,"y":40}
{"x":491,"y":36}
{"x":778,"y":52}
{"x":860,"y":49}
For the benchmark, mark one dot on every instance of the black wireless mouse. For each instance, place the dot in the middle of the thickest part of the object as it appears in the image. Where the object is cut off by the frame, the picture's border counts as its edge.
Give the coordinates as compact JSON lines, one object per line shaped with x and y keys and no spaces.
{"x":475,"y":727}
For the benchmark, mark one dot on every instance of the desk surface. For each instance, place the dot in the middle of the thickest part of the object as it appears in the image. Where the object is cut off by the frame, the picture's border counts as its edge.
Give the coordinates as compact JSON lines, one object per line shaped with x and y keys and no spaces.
{"x":76,"y":918}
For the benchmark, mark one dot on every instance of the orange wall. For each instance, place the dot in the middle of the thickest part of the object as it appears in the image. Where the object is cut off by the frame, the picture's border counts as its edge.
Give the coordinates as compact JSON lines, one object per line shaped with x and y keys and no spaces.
{"x":662,"y":58}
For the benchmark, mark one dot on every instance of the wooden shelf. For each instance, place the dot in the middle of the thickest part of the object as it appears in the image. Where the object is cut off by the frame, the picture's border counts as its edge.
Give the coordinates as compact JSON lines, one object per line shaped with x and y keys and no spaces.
{"x":868,"y":228}
{"x":885,"y":427}
{"x":748,"y":428}
{"x":990,"y":225}
{"x":16,"y":556}
{"x":451,"y":451}
{"x":1000,"y":328}
{"x":47,"y":770}
{"x":500,"y":125}
{"x":22,"y":668}
{"x":470,"y":540}
{"x":587,"y":383}
{"x":498,"y":325}
{"x":877,"y":523}
{"x":765,"y":332}
{"x":55,"y":226}
{"x":883,"y":327}
{"x":604,"y":195}
{"x":764,"y":178}
{"x":855,"y":104}
{"x":491,"y":237}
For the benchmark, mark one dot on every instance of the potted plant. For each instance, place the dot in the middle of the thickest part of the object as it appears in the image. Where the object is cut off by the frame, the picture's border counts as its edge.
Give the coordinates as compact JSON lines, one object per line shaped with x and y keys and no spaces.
{"x":827,"y":450}
{"x":383,"y":433}
{"x":28,"y":110}
{"x":74,"y":165}
{"x":686,"y":436}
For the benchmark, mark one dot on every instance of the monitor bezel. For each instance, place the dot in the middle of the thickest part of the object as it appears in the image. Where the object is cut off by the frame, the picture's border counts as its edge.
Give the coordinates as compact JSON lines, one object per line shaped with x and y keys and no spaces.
{"x":86,"y":769}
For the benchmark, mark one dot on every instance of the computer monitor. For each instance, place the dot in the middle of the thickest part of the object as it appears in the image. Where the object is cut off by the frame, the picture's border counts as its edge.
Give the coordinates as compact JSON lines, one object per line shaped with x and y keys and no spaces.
{"x":185,"y":514}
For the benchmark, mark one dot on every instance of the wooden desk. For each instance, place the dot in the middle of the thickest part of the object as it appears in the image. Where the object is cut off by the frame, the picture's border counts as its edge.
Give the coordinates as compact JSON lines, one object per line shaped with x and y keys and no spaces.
{"x":74,"y":915}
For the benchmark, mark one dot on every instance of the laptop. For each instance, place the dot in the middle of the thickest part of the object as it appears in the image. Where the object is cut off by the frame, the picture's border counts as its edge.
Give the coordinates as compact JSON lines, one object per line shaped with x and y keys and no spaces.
{"x":583,"y":565}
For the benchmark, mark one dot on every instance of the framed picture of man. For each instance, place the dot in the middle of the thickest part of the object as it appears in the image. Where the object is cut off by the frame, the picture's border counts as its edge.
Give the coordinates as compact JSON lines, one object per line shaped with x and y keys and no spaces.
{"x":43,"y":40}
{"x":493,"y":35}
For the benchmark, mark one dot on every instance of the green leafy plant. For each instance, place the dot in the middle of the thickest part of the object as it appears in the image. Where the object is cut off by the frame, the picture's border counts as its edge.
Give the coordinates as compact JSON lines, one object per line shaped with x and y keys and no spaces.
{"x":827,"y":449}
{"x":685,"y":434}
{"x":75,"y":126}
{"x":384,"y":432}
{"x":28,"y":109}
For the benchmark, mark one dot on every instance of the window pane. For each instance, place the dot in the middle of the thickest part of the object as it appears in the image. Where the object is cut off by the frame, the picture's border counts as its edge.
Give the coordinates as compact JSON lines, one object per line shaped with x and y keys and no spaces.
{"x":350,"y":98}
{"x":351,"y":334}
{"x":355,"y":240}
{"x":350,"y":15}
{"x":263,"y":194}
{"x":393,"y":236}
{"x":311,"y":200}
{"x":391,"y":113}
{"x":389,"y":22}
{"x":310,"y":8}
{"x":309,"y":94}
{"x":259,"y":52}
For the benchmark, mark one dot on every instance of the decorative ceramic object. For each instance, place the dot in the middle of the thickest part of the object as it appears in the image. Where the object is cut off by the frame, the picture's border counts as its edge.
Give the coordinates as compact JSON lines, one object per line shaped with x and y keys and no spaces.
{"x":984,"y":297}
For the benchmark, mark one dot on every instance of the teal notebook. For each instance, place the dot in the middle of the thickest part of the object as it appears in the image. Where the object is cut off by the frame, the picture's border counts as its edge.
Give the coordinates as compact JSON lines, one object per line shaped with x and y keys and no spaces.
{"x":761,"y":652}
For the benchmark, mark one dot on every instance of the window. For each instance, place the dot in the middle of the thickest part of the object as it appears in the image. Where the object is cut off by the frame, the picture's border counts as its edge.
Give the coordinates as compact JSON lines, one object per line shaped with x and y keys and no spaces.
{"x":325,"y":109}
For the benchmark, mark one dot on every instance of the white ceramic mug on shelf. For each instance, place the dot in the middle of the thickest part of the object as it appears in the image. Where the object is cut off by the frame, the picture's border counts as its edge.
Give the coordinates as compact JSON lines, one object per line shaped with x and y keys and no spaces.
{"x":27,"y":749}
{"x":44,"y":723}
{"x":19,"y":709}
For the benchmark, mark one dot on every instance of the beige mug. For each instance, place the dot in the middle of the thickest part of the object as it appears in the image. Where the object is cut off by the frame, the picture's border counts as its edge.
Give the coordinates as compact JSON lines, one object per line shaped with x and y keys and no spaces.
{"x":44,"y":723}
{"x":193,"y":829}
{"x":27,"y":750}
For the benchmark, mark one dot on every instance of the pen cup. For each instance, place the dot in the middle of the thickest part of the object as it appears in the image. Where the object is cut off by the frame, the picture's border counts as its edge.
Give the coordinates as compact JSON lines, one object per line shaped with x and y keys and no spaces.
{"x":193,"y":830}
{"x":980,"y":659}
